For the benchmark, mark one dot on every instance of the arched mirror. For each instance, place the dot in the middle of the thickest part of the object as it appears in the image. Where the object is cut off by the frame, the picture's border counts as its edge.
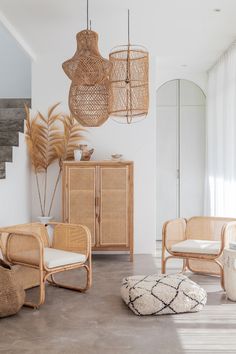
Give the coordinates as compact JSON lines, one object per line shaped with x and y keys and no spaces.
{"x":180,"y":151}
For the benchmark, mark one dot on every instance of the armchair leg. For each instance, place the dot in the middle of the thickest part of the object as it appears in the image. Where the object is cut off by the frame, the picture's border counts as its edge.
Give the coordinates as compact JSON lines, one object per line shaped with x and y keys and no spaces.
{"x":41,"y":294}
{"x":222,"y":279}
{"x":163,"y":265}
{"x":53,"y":282}
{"x":205,"y":273}
{"x":185,"y":265}
{"x":163,"y":260}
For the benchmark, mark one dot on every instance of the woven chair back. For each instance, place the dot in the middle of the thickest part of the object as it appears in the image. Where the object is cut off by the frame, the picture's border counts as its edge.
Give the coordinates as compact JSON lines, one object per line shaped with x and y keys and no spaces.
{"x":71,"y":238}
{"x":206,"y":228}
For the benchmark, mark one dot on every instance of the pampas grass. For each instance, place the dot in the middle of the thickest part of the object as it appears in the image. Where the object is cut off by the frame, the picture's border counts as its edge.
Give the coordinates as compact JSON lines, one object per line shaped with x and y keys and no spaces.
{"x":52,"y":137}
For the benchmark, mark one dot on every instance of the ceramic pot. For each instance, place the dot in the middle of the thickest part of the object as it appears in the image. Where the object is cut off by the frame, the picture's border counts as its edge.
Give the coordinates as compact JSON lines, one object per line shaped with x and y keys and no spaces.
{"x":44,"y":219}
{"x":77,"y":155}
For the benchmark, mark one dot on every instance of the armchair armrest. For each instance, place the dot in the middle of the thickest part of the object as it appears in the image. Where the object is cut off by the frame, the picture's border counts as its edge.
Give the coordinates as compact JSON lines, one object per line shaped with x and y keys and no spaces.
{"x":228,"y":234}
{"x":173,"y":232}
{"x":23,"y":247}
{"x":72,"y":237}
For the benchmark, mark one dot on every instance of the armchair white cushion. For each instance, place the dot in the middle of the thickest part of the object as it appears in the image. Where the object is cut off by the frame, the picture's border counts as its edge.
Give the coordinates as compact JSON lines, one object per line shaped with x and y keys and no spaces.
{"x":56,"y":258}
{"x":197,"y":246}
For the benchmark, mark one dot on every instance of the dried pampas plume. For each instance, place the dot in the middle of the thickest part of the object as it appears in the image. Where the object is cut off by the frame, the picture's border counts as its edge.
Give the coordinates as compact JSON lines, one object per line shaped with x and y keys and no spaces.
{"x":50,"y":138}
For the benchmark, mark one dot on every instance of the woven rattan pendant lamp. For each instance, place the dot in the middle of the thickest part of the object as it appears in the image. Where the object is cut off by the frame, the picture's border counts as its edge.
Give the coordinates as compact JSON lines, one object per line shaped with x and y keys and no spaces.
{"x":129,"y":88}
{"x":89,"y":75}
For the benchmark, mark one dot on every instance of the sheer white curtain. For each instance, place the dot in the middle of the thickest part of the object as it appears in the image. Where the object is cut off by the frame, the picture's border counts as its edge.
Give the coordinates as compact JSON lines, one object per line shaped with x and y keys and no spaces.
{"x":221,"y":137}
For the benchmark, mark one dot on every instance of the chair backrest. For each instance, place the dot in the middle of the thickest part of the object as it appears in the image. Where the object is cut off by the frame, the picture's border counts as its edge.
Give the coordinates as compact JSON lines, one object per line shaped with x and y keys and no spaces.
{"x":71,"y":237}
{"x":37,"y":228}
{"x":206,"y":227}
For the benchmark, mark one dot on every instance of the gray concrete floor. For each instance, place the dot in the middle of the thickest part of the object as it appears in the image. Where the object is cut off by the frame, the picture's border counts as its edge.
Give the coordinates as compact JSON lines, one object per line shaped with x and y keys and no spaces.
{"x":99,"y":322}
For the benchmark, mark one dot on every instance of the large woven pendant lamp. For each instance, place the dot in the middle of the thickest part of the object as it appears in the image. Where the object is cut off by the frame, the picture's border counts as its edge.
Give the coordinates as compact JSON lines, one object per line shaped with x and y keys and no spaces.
{"x":89,"y":75}
{"x":129,"y":88}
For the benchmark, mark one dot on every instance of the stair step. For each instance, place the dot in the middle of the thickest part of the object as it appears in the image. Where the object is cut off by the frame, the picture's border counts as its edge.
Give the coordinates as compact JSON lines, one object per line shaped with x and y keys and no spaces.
{"x":13,"y":125}
{"x":12,"y":113}
{"x":5,"y":154}
{"x":9,"y":138}
{"x":14,"y":102}
{"x":12,"y":116}
{"x":2,"y":170}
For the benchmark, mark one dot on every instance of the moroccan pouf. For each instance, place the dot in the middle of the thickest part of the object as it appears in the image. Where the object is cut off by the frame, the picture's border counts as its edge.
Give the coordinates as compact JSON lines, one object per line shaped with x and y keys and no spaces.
{"x":162,"y":294}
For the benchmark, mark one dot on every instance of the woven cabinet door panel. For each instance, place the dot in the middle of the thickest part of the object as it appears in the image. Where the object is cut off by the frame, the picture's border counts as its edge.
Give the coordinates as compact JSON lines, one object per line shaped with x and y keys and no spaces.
{"x":114,"y":189}
{"x":81,"y":197}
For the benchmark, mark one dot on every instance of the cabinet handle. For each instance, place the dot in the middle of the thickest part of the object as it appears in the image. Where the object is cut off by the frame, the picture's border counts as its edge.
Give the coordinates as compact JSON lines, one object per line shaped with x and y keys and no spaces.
{"x":97,"y":209}
{"x":97,"y":201}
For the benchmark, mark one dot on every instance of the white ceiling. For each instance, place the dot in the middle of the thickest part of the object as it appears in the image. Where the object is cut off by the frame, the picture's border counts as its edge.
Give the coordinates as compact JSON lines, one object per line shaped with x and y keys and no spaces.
{"x":177,"y":32}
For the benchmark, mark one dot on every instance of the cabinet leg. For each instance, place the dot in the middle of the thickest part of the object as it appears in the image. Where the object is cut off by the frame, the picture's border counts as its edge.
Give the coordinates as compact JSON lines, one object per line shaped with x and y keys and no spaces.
{"x":131,"y":256}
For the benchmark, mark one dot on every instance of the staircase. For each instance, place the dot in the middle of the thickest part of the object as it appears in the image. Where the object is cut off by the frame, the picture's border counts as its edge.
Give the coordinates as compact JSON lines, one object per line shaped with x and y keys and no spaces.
{"x":12,"y":115}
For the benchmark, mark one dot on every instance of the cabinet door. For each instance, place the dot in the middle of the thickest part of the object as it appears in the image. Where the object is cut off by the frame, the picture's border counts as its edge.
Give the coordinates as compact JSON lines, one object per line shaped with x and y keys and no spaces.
{"x":114,"y":204}
{"x":80,"y":197}
{"x":192,"y":160}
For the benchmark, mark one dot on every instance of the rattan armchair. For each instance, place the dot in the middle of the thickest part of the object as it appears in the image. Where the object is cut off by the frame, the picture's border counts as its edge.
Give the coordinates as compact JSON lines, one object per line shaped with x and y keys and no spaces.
{"x":29,"y":245}
{"x":200,"y":242}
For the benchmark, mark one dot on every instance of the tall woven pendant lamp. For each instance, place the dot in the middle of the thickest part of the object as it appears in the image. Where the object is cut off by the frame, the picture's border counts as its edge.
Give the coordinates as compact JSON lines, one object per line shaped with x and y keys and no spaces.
{"x":129,"y":87}
{"x":89,"y":75}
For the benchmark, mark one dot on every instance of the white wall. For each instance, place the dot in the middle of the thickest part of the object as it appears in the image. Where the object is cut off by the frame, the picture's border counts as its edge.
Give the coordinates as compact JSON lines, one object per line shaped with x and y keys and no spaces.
{"x":15,"y":190}
{"x":15,"y":68}
{"x":136,"y":142}
{"x":177,"y":33}
{"x":164,"y":74}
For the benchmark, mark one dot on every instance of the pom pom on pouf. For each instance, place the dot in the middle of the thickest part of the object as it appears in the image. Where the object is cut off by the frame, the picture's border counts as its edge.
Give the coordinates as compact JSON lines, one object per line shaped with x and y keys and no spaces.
{"x":162,"y":294}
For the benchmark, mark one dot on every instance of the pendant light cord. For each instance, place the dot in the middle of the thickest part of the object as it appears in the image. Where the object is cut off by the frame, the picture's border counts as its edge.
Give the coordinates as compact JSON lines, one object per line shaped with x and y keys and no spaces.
{"x":128,"y":27}
{"x":127,"y":59}
{"x":87,"y":14}
{"x":128,"y":79}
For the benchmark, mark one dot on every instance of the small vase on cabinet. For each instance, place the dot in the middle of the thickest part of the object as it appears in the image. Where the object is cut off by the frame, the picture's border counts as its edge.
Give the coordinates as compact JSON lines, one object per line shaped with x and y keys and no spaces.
{"x":44,"y":219}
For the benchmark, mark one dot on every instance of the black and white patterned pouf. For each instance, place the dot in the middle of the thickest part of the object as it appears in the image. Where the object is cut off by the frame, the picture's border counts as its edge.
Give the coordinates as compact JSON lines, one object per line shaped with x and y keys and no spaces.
{"x":162,"y":294}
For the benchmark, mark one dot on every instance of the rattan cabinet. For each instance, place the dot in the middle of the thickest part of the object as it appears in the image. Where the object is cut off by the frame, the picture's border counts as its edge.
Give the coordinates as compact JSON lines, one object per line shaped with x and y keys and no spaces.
{"x":99,"y":194}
